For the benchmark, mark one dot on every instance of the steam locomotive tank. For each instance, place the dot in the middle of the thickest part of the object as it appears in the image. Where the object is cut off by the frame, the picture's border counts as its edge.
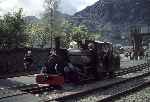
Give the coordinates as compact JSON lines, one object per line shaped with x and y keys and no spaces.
{"x":82,"y":59}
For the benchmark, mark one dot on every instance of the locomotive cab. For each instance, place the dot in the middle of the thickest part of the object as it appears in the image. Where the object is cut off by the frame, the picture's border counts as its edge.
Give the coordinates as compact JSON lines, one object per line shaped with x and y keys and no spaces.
{"x":95,"y":57}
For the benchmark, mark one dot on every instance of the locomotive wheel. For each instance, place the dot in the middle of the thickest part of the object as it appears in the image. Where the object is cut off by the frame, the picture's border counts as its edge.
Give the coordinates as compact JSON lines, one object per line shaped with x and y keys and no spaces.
{"x":101,"y":76}
{"x":100,"y":72}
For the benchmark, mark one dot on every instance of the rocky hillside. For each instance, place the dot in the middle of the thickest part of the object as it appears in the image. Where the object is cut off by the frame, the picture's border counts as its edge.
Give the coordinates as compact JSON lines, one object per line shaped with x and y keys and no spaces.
{"x":114,"y":16}
{"x":30,"y":19}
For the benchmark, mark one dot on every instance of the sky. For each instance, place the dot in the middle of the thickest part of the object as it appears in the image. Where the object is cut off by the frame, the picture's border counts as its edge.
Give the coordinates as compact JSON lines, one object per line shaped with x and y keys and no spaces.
{"x":35,"y":7}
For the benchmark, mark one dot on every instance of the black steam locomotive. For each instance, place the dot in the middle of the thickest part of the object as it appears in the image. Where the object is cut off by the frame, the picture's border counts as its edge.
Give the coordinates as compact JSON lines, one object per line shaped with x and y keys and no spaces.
{"x":91,"y":60}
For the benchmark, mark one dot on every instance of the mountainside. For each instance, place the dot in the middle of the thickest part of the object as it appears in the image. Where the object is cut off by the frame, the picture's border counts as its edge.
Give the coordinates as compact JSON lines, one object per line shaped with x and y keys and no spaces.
{"x":114,"y":16}
{"x":30,"y":19}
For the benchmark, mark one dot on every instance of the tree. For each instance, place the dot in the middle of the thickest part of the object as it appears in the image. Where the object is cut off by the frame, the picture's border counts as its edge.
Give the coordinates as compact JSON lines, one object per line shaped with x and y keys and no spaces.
{"x":80,"y":32}
{"x":67,"y":33}
{"x":74,"y":33}
{"x":53,"y":19}
{"x":96,"y":35}
{"x":38,"y":35}
{"x":41,"y":33}
{"x":12,"y":28}
{"x":58,"y":26}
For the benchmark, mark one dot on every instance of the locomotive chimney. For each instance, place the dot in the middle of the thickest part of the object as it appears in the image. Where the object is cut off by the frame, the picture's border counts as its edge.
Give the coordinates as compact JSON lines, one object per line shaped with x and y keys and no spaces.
{"x":57,"y":43}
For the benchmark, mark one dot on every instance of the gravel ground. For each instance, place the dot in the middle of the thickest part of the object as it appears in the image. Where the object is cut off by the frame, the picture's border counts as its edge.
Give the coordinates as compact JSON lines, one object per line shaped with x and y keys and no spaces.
{"x":129,"y":63}
{"x":140,"y":96}
{"x":6,"y":92}
{"x":95,"y":96}
{"x":22,"y":98}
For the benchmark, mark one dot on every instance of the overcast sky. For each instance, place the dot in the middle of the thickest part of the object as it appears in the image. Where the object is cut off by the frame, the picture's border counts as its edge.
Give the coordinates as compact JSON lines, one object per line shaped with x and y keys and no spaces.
{"x":35,"y":7}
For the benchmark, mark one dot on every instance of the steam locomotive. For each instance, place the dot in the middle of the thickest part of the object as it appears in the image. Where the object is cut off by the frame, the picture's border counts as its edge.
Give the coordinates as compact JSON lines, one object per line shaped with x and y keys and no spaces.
{"x":92,"y":60}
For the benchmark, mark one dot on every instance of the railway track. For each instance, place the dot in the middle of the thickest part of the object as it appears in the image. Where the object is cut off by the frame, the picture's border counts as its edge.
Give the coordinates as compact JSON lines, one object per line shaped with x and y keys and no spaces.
{"x":34,"y":88}
{"x":131,"y":69}
{"x":83,"y":91}
{"x":107,"y":93}
{"x":78,"y":91}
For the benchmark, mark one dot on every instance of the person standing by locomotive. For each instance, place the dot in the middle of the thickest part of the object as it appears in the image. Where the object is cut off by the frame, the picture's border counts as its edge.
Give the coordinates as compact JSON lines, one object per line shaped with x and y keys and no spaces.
{"x":110,"y":60}
{"x":105,"y":59}
{"x":94,"y":59}
{"x":55,"y":63}
{"x":146,"y":56}
{"x":51,"y":63}
{"x":28,"y":61}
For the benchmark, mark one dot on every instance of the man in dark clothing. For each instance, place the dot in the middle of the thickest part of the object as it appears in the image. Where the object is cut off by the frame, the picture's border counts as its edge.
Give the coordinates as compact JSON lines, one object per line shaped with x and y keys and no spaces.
{"x":55,"y":63}
{"x":51,"y":63}
{"x":94,"y":59}
{"x":28,"y":61}
{"x":105,"y":60}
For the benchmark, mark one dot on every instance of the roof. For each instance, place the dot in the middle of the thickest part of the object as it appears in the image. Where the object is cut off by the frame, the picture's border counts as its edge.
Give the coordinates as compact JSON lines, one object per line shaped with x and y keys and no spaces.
{"x":102,"y":42}
{"x":99,"y":41}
